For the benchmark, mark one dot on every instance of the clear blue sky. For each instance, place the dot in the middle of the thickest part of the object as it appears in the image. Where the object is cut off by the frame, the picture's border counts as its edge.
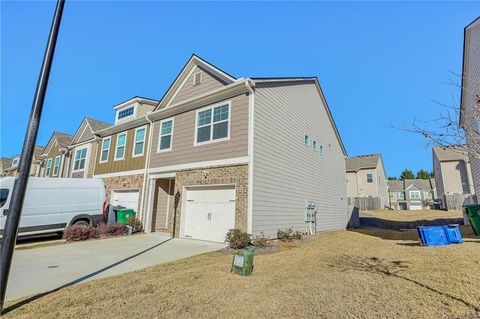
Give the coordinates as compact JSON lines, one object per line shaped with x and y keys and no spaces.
{"x":378,"y":63}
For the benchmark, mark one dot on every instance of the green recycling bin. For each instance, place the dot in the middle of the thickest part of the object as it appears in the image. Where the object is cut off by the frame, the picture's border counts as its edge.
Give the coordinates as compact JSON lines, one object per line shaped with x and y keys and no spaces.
{"x":473,"y":214}
{"x":124,"y":215}
{"x":242,"y":262}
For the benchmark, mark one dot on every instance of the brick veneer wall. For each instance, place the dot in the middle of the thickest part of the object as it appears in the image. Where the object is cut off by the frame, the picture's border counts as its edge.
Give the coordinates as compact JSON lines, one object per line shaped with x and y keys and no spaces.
{"x":124,"y":182}
{"x":237,"y":175}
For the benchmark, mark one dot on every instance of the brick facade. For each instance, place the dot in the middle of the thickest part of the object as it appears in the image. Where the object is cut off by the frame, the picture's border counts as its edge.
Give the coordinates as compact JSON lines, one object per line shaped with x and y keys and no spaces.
{"x":235,"y":175}
{"x":124,"y":182}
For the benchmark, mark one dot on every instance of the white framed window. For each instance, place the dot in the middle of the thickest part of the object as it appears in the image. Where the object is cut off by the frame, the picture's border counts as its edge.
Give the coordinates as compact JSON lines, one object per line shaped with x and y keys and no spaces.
{"x":401,"y":195}
{"x":80,"y":159}
{"x":306,"y":140}
{"x":56,"y":166}
{"x":314,"y":145}
{"x":15,"y":162}
{"x":139,"y":141}
{"x":105,"y":149}
{"x":49,"y":167}
{"x":369,"y":178}
{"x":165,"y":137}
{"x":197,"y":78}
{"x":125,"y":113}
{"x":321,"y":150}
{"x":120,"y":148}
{"x":213,"y":124}
{"x":415,"y":195}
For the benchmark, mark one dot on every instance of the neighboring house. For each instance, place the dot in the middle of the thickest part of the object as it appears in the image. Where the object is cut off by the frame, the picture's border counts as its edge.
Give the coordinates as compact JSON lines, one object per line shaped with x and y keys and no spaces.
{"x":5,"y":163}
{"x":83,"y":148}
{"x":470,"y":98}
{"x":55,"y":158}
{"x":366,"y":177}
{"x":453,"y":175}
{"x":412,"y":194}
{"x":246,"y":153}
{"x":122,"y":152}
{"x":34,"y":167}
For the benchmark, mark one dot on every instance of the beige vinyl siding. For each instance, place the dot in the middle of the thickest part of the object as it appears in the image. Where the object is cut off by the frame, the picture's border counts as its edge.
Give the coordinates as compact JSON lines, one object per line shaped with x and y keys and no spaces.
{"x":163,"y":192}
{"x":188,"y":90}
{"x":285,"y":172}
{"x":437,"y":173}
{"x":352,"y":184}
{"x":144,"y":109}
{"x":86,"y":135}
{"x":183,"y":149}
{"x":382,"y":184}
{"x":129,"y":163}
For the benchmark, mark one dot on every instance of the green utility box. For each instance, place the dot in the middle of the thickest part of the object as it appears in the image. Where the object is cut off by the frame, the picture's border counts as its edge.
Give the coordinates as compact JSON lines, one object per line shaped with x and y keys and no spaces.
{"x":242,"y":262}
{"x":473,"y":214}
{"x":124,"y":215}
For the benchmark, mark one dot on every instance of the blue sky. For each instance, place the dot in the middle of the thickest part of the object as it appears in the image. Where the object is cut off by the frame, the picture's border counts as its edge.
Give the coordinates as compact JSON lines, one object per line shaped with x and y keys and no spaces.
{"x":379,"y":63}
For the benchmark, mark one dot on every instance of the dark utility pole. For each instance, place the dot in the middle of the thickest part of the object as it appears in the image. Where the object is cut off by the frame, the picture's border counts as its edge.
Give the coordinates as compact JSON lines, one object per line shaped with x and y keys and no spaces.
{"x":18,"y":194}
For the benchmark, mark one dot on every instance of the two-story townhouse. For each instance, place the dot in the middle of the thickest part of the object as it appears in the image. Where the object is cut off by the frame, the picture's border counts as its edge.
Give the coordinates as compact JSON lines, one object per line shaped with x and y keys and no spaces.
{"x":412,"y":194}
{"x":122,"y":152}
{"x":83,"y":148}
{"x":34,"y":167}
{"x":470,"y":96}
{"x":452,"y":172}
{"x":366,"y":177}
{"x":55,"y":159}
{"x":248,"y":153}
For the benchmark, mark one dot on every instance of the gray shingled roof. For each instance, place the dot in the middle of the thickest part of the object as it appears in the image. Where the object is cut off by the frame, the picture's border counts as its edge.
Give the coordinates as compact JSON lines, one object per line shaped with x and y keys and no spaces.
{"x":452,"y":153}
{"x":37,"y":152}
{"x":63,"y":139}
{"x":356,"y":163}
{"x":97,"y":125}
{"x":399,"y":186}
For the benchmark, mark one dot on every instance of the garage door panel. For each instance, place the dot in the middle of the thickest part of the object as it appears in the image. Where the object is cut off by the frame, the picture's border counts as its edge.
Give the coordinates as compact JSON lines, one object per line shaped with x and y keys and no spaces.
{"x":126,"y":198}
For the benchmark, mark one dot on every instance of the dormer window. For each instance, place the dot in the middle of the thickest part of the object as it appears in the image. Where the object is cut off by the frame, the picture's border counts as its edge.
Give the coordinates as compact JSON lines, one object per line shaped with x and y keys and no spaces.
{"x":125,"y":113}
{"x":15,"y":162}
{"x":197,"y":78}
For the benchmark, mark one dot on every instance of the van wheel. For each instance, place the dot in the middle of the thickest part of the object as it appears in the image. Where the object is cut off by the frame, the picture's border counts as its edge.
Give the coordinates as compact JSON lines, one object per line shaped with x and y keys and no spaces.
{"x":81,"y":223}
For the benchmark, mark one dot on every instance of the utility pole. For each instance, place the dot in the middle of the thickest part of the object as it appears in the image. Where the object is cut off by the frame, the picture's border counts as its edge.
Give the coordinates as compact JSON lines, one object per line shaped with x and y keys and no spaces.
{"x":18,"y":194}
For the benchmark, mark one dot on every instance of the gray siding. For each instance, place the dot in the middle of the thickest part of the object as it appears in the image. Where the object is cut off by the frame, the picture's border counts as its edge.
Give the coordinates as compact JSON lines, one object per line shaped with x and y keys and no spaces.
{"x":87,"y":135}
{"x":162,"y":194}
{"x":285,"y":171}
{"x":183,"y":151}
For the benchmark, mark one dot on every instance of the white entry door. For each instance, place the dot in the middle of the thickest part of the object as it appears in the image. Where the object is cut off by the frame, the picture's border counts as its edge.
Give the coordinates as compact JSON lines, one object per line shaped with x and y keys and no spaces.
{"x":209,"y":213}
{"x":127,"y":198}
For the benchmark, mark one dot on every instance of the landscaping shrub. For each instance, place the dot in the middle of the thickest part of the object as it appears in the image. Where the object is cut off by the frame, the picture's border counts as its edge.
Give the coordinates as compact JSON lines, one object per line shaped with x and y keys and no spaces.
{"x":76,"y":233}
{"x":237,"y":239}
{"x":135,"y":223}
{"x":262,"y":241}
{"x":288,"y":234}
{"x":112,"y":229}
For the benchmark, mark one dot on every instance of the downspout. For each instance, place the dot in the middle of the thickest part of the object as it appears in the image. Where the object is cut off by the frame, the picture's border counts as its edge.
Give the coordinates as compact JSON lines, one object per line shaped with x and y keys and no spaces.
{"x":251,"y":104}
{"x":96,"y":142}
{"x":144,"y":199}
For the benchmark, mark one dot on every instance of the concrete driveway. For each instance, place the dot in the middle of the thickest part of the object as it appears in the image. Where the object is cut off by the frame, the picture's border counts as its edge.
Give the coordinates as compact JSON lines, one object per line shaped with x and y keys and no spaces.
{"x":40,"y":270}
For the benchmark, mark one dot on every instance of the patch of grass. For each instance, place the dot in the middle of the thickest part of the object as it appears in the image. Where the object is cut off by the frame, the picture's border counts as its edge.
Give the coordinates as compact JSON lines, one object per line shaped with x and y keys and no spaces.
{"x":336,"y":275}
{"x":413,"y":215}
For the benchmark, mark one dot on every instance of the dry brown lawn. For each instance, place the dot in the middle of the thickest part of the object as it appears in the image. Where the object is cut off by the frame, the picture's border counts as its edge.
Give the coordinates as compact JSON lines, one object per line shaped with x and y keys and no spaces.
{"x":361,"y":274}
{"x":413,"y":215}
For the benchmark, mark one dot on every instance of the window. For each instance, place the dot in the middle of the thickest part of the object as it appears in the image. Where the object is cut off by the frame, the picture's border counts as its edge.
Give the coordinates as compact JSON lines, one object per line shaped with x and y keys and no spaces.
{"x":3,"y":196}
{"x":197,"y":78}
{"x":369,"y":178}
{"x":105,"y":150}
{"x":56,"y":166}
{"x":305,"y":140}
{"x":166,"y":132}
{"x":15,"y":162}
{"x":139,"y":141}
{"x":314,"y":145}
{"x":430,"y":194}
{"x":415,"y":195}
{"x":120,"y":149}
{"x":212,"y":124}
{"x":125,"y":113}
{"x":321,"y":149}
{"x":401,"y":195}
{"x":80,"y":159}
{"x":49,"y":167}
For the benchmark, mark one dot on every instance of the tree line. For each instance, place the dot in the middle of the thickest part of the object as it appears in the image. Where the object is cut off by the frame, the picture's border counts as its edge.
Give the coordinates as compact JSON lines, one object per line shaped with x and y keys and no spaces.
{"x":408,"y":174}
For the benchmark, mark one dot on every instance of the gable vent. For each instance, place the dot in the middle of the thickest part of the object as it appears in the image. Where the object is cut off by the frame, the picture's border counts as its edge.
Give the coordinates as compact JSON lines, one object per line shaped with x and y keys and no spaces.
{"x":197,"y":78}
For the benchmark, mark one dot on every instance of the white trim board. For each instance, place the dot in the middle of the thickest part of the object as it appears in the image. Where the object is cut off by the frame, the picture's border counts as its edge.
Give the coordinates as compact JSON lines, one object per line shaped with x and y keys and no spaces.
{"x":125,"y":173}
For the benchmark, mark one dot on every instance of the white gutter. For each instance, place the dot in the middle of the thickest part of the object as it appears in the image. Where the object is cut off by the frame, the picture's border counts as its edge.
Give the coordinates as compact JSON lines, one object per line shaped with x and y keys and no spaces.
{"x":251,"y":104}
{"x":144,"y":203}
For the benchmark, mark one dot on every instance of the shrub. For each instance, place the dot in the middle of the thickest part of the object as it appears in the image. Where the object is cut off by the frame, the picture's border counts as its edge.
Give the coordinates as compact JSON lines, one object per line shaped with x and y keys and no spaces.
{"x":237,"y":239}
{"x":76,"y":233}
{"x":135,"y":223}
{"x":262,"y":241}
{"x":112,"y":229}
{"x":288,"y":234}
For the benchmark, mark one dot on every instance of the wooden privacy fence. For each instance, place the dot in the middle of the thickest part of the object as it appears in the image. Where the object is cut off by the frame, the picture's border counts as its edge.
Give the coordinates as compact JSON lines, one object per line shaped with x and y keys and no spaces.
{"x":456,"y":202}
{"x":365,"y":203}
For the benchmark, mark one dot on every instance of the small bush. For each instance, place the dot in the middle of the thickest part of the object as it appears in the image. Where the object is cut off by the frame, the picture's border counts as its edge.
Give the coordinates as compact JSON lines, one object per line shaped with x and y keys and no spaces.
{"x":262,"y":241}
{"x":77,"y":233}
{"x":135,"y":223}
{"x":288,"y":234}
{"x":115,"y":229}
{"x":237,"y":239}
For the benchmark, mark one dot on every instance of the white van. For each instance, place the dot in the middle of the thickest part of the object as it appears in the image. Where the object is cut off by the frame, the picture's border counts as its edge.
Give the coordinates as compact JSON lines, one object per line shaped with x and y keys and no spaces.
{"x":51,"y":204}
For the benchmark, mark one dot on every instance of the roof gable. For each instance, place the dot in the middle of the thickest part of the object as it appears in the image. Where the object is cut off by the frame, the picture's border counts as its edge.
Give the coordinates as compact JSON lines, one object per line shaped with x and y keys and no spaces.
{"x":62,"y":139}
{"x":356,"y":163}
{"x":183,"y":83}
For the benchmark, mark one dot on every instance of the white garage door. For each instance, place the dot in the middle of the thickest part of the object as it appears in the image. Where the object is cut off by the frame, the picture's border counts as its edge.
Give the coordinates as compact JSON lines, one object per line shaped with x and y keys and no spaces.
{"x":209,"y":213}
{"x":126,"y":198}
{"x":416,"y":207}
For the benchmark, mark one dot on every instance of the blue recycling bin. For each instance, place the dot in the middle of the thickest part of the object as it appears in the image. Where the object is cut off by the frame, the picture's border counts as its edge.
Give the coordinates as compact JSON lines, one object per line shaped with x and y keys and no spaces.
{"x":454,"y":235}
{"x":433,"y":236}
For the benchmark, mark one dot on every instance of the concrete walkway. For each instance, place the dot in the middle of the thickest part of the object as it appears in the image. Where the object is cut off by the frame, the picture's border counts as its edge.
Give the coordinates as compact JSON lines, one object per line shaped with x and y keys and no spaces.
{"x":40,"y":270}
